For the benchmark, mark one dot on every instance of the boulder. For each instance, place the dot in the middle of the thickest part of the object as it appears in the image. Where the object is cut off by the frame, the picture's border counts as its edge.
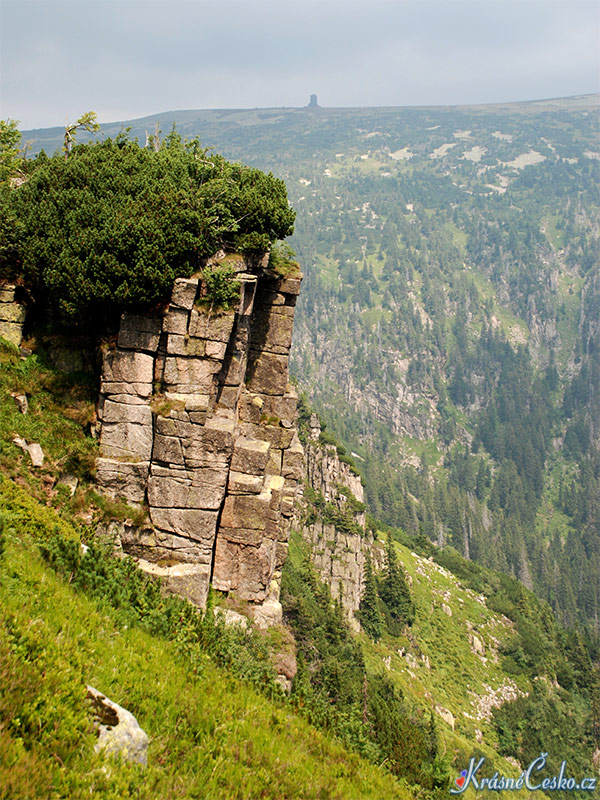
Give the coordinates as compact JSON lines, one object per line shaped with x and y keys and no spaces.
{"x":215,"y":349}
{"x":71,"y":482}
{"x":128,"y":366}
{"x":139,"y":333}
{"x":12,"y":332}
{"x":191,"y":581}
{"x":176,"y":321}
{"x":246,"y":511}
{"x":20,"y":443}
{"x":202,"y":488}
{"x":293,"y":460}
{"x":21,"y":401}
{"x":268,"y":614}
{"x":167,"y":449}
{"x":231,"y":617}
{"x":290,"y":286}
{"x":268,"y":373}
{"x":216,"y":327}
{"x":446,"y":715}
{"x":7,"y":293}
{"x":243,"y":568}
{"x":196,"y":524}
{"x":126,"y":440}
{"x":133,"y":391}
{"x":13,"y":312}
{"x":124,"y":479}
{"x":126,"y":412}
{"x":36,"y":454}
{"x":240,"y":483}
{"x":274,"y":331}
{"x":119,"y":733}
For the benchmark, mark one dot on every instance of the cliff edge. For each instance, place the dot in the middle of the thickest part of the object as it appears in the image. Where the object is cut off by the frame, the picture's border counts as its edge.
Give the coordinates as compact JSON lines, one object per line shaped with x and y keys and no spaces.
{"x":196,"y":423}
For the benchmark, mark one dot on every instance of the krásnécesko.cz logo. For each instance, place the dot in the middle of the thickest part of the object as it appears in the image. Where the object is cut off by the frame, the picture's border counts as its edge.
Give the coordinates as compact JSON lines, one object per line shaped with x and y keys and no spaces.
{"x":529,"y":779}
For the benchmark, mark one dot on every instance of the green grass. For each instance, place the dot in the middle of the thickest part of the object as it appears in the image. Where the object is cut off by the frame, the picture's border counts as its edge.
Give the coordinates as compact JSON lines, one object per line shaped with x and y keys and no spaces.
{"x":61,"y":410}
{"x":211,"y":735}
{"x":457,"y":677}
{"x":426,"y":450}
{"x":555,"y":237}
{"x":328,"y":271}
{"x":459,"y":236}
{"x":569,"y":295}
{"x":513,"y":328}
{"x":372,"y":316}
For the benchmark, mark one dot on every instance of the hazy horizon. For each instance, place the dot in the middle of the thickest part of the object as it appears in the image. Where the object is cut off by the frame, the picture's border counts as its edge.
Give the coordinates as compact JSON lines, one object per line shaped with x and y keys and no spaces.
{"x":326,"y":108}
{"x":125,"y":59}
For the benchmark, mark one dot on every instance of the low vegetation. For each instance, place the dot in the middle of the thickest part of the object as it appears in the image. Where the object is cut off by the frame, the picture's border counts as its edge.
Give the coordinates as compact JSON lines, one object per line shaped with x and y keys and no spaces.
{"x":112,"y":225}
{"x":211,"y":734}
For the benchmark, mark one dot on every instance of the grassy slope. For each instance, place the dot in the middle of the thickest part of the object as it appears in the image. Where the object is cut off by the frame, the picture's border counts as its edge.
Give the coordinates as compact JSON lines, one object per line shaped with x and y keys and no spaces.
{"x":457,"y":678}
{"x":434,"y":664}
{"x":211,"y":735}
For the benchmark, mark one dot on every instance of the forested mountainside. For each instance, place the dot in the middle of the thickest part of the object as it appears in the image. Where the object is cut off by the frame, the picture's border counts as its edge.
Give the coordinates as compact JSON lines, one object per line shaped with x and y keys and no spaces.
{"x":408,"y":654}
{"x":448,"y":329}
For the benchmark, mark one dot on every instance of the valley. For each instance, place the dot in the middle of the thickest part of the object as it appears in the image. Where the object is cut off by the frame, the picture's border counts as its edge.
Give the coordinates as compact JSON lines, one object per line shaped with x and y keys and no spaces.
{"x":446,"y":355}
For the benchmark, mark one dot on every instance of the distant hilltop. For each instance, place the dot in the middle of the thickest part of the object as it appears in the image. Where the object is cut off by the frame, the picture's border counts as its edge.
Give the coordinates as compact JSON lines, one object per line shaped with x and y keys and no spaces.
{"x":214,"y":126}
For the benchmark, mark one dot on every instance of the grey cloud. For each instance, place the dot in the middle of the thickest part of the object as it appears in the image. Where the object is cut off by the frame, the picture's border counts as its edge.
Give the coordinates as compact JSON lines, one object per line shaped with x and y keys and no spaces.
{"x":132,"y":58}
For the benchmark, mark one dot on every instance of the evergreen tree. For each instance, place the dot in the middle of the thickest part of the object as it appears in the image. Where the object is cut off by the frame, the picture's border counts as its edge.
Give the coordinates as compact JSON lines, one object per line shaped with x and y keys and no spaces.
{"x":369,"y":614}
{"x":394,"y":590}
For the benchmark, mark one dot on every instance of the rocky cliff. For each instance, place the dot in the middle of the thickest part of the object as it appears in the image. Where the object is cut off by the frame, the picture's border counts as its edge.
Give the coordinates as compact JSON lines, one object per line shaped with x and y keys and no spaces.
{"x":331,"y":517}
{"x":197,"y":427}
{"x":12,"y":314}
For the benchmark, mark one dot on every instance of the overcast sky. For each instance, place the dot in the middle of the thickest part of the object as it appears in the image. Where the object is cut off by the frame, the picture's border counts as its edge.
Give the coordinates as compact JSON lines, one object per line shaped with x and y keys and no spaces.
{"x":130,"y":58}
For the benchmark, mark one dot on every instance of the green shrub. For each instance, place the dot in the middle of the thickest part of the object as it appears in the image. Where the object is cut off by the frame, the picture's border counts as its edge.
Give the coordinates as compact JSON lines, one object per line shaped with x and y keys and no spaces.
{"x":140,"y":601}
{"x":222,"y":287}
{"x":113,"y":225}
{"x":337,"y":693}
{"x":282,"y":259}
{"x":28,"y":516}
{"x":2,"y":535}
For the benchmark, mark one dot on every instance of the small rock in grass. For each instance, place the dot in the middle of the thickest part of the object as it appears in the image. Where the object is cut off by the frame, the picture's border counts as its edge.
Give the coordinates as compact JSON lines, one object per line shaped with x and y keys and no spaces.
{"x":70,"y":481}
{"x":118,"y":730}
{"x":33,"y":448}
{"x":20,"y":442}
{"x":36,"y":454}
{"x":21,"y":401}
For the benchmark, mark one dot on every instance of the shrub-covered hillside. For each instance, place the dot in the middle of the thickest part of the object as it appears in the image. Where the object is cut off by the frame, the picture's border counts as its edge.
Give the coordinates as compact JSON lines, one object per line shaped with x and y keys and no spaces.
{"x":110,"y":225}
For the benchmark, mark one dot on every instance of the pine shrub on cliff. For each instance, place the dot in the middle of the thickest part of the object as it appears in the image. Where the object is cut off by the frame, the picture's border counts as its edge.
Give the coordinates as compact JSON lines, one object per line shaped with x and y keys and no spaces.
{"x":114,"y":224}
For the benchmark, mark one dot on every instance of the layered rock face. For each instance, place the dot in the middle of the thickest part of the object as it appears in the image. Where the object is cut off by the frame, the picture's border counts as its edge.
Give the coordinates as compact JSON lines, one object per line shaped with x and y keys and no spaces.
{"x":338,"y":549}
{"x":197,"y":421}
{"x":12,"y":314}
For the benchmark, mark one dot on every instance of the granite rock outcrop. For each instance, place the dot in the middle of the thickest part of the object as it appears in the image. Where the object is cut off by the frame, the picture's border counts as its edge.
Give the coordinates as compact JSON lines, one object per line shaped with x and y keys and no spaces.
{"x":12,"y":314}
{"x":197,"y":425}
{"x":331,"y":518}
